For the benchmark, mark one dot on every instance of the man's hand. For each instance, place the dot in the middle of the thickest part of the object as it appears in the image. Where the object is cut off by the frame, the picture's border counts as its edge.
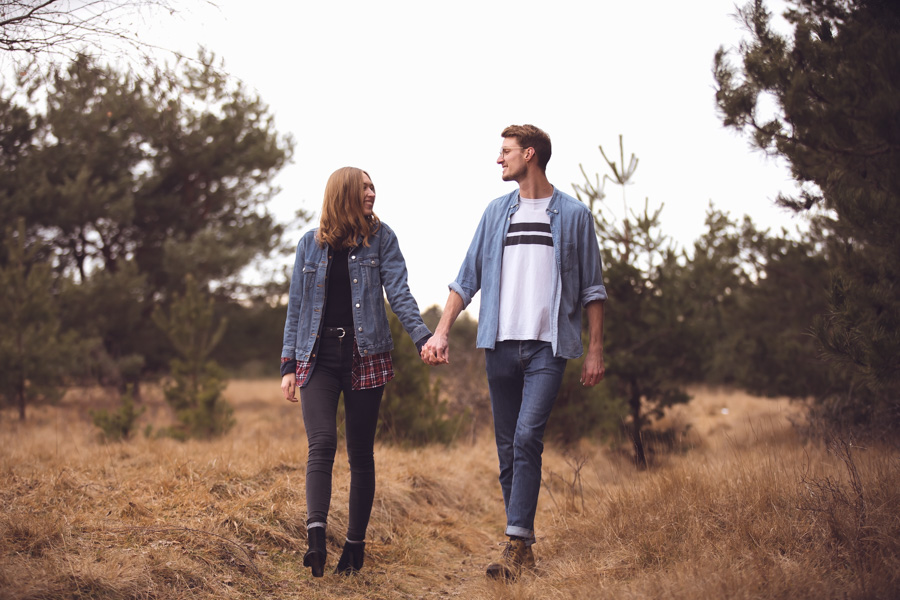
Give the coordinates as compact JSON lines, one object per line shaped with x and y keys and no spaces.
{"x":289,"y":386}
{"x":593,"y":370}
{"x":436,"y":350}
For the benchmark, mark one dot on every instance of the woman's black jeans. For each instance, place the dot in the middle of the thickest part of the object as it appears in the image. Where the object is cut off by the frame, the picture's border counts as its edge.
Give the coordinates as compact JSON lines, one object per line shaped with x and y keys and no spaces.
{"x":331,"y":376}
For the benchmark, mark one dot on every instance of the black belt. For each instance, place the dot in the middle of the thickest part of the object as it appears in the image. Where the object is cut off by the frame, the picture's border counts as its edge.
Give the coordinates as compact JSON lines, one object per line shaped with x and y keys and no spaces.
{"x":336,"y":332}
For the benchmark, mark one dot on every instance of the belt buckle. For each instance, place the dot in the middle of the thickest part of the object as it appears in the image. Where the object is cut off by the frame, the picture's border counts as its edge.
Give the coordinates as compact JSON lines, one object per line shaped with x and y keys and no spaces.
{"x":343,"y":332}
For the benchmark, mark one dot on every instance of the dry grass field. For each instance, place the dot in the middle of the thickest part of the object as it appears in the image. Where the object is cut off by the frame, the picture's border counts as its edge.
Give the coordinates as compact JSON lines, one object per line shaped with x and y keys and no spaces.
{"x":742,"y":508}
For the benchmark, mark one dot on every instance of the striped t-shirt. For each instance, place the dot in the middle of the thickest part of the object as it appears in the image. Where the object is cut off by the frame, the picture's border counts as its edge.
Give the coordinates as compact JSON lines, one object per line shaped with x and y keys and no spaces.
{"x":528,"y":274}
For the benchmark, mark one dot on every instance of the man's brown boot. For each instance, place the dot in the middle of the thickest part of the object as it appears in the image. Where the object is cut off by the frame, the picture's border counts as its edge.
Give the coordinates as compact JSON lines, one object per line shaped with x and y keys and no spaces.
{"x":528,"y":562}
{"x":516,"y":556}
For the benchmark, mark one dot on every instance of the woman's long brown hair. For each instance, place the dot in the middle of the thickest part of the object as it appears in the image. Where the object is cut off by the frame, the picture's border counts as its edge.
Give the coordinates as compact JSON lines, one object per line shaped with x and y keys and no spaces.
{"x":343,"y":222}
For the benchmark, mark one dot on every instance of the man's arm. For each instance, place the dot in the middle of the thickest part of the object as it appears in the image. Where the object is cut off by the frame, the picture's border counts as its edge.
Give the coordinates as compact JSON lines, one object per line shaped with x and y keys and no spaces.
{"x":436,"y":350}
{"x":593,"y":370}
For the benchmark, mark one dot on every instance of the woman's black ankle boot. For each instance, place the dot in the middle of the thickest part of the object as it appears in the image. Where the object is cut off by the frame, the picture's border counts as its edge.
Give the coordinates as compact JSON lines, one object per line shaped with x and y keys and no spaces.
{"x":351,"y":559}
{"x":315,"y":556}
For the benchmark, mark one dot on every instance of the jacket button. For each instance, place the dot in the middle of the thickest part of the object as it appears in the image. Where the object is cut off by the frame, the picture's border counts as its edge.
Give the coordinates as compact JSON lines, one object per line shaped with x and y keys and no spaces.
{"x":360,"y":328}
{"x":355,"y":281}
{"x":357,"y":305}
{"x":353,"y":257}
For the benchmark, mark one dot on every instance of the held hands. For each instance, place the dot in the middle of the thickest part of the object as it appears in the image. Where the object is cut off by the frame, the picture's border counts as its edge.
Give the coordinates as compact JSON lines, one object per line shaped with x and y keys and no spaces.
{"x":593,"y":370}
{"x":289,"y":387}
{"x":436,"y":351}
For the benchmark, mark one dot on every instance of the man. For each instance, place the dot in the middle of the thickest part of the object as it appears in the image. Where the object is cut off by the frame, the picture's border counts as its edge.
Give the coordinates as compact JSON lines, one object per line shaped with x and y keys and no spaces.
{"x":536,"y":260}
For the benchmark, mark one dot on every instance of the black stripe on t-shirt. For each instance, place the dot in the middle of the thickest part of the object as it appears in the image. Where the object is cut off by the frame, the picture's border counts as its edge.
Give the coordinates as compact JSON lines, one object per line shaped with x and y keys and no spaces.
{"x":539,"y":240}
{"x":540,"y":227}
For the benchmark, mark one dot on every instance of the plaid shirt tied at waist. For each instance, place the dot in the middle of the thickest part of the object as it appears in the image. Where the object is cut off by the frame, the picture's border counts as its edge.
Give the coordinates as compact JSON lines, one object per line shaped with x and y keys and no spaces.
{"x":367,"y":372}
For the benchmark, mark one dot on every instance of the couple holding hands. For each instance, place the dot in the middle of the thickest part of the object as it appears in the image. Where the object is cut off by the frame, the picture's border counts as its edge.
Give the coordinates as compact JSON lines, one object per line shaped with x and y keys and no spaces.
{"x":535,"y":259}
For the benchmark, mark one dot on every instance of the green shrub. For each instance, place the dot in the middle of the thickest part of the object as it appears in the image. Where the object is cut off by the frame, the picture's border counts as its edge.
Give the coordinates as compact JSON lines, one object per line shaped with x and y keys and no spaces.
{"x":584,"y":412}
{"x":196,"y":399}
{"x":118,"y":425}
{"x":412,"y":412}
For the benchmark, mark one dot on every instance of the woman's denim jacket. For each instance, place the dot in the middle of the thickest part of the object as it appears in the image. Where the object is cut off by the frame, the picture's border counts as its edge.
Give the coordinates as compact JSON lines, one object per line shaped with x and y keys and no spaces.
{"x":578,"y":263}
{"x":379,"y":265}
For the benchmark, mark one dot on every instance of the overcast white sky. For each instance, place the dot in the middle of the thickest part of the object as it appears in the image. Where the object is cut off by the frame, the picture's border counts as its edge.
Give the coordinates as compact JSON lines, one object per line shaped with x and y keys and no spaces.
{"x":417,"y":92}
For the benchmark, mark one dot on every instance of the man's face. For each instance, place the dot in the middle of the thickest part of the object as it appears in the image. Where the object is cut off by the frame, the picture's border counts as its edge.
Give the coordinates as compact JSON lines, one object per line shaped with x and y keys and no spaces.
{"x":512,"y":159}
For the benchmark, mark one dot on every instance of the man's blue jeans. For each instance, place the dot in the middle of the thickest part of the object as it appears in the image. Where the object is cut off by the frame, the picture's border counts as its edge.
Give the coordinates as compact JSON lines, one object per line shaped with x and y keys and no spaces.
{"x":524,"y":378}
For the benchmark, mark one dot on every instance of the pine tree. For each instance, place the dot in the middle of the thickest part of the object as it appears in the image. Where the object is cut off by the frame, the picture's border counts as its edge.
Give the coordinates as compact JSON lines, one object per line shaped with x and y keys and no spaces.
{"x":756,"y":295}
{"x":837,"y":101}
{"x":197,"y":382}
{"x":135,"y":182}
{"x":33,"y":350}
{"x":647,"y":341}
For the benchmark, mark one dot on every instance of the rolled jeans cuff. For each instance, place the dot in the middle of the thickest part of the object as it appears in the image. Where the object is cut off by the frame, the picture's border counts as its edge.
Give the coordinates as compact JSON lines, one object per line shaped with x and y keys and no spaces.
{"x":526,"y":534}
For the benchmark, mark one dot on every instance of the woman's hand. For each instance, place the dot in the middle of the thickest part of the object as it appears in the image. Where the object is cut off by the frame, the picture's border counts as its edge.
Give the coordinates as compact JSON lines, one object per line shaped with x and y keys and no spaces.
{"x":289,"y":387}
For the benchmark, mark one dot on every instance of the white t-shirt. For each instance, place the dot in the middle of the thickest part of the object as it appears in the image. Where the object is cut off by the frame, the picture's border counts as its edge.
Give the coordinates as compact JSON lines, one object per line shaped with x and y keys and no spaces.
{"x":528,"y":274}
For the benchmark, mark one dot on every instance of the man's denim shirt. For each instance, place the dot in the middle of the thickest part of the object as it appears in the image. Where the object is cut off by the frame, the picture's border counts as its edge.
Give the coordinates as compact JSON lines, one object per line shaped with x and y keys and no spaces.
{"x":577,"y":259}
{"x":381,"y":264}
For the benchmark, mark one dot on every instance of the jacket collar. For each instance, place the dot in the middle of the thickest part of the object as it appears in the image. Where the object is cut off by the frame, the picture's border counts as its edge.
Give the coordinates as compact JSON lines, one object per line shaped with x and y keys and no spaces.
{"x":513,"y":201}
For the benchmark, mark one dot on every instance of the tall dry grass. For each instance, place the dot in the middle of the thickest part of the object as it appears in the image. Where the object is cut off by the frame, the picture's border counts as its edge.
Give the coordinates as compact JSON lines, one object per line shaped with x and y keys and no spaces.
{"x":741,"y":508}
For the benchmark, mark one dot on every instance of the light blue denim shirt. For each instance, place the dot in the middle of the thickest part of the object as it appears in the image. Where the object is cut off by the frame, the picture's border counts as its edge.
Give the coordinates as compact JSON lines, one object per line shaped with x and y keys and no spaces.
{"x":577,"y":259}
{"x":374,"y":270}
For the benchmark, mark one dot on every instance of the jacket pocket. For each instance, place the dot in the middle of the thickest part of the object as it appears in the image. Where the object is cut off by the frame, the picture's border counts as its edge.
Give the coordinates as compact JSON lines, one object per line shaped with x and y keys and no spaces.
{"x":371,"y":272}
{"x":568,"y":258}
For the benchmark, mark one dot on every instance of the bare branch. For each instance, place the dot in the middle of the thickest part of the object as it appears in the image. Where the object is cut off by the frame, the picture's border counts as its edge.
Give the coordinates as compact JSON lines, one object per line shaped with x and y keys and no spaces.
{"x":30,"y":12}
{"x":52,"y":30}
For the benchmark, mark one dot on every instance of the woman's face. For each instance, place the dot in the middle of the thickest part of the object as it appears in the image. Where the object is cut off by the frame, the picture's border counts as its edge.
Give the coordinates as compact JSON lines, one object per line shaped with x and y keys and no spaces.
{"x":368,"y":195}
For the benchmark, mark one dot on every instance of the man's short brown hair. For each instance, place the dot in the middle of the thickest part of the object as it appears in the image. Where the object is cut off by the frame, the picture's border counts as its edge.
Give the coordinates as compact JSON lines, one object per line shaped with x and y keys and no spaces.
{"x":530,"y":136}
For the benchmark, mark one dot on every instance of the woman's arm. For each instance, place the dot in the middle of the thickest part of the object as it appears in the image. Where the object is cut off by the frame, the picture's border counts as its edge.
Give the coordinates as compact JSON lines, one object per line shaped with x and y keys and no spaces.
{"x":295,"y":298}
{"x":394,"y":279}
{"x":291,"y":322}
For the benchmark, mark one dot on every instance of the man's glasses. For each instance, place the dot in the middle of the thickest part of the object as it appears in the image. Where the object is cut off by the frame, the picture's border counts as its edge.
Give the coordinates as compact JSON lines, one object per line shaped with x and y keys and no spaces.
{"x":504,"y":152}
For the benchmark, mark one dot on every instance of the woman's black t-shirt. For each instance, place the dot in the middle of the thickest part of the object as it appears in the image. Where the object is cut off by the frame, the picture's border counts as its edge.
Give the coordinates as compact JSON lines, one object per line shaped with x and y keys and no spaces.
{"x":338,"y":301}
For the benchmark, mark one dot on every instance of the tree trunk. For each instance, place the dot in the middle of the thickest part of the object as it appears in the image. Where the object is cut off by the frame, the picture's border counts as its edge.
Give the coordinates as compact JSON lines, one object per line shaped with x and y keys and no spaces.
{"x":21,"y":373}
{"x":20,"y":396}
{"x":640,"y":459}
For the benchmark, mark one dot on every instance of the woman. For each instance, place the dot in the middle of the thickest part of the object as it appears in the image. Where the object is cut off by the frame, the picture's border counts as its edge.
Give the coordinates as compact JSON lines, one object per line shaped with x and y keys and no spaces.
{"x":337,"y":340}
